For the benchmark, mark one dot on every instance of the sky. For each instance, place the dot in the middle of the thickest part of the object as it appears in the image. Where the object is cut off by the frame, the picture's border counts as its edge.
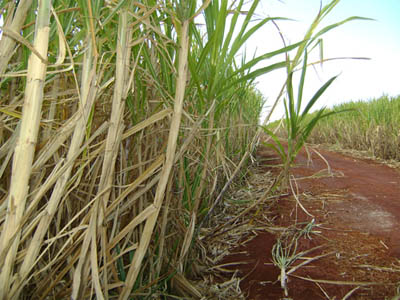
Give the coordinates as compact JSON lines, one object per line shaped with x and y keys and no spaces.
{"x":378,"y":40}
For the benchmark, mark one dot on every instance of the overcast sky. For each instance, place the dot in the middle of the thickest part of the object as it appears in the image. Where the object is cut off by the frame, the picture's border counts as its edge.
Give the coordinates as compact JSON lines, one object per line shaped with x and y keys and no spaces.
{"x":359,"y":79}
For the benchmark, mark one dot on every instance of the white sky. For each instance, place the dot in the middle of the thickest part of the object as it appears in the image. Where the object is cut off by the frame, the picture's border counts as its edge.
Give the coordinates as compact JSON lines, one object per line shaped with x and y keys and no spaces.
{"x":359,"y":79}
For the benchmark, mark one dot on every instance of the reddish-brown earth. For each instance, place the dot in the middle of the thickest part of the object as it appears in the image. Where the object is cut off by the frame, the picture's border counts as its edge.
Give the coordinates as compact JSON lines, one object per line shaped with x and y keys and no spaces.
{"x":357,"y":208}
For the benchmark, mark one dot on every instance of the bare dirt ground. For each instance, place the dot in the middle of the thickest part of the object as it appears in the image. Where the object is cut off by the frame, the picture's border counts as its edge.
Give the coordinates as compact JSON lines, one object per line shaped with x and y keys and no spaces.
{"x":355,"y":204}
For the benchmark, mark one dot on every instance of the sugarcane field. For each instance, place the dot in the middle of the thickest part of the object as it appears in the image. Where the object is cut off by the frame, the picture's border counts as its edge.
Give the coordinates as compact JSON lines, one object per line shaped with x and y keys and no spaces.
{"x":199,"y":149}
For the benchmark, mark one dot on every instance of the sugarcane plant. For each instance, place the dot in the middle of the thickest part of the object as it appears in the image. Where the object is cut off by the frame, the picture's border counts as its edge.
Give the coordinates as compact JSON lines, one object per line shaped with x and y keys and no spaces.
{"x":124,"y":110}
{"x":298,"y":124}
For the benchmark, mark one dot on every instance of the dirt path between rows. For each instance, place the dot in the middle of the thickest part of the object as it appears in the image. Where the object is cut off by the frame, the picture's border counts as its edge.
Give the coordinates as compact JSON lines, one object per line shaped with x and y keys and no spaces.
{"x":355,"y":204}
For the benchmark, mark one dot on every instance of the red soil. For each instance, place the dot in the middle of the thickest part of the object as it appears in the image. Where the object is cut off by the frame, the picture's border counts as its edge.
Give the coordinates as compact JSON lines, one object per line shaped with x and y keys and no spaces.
{"x":358,"y":209}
